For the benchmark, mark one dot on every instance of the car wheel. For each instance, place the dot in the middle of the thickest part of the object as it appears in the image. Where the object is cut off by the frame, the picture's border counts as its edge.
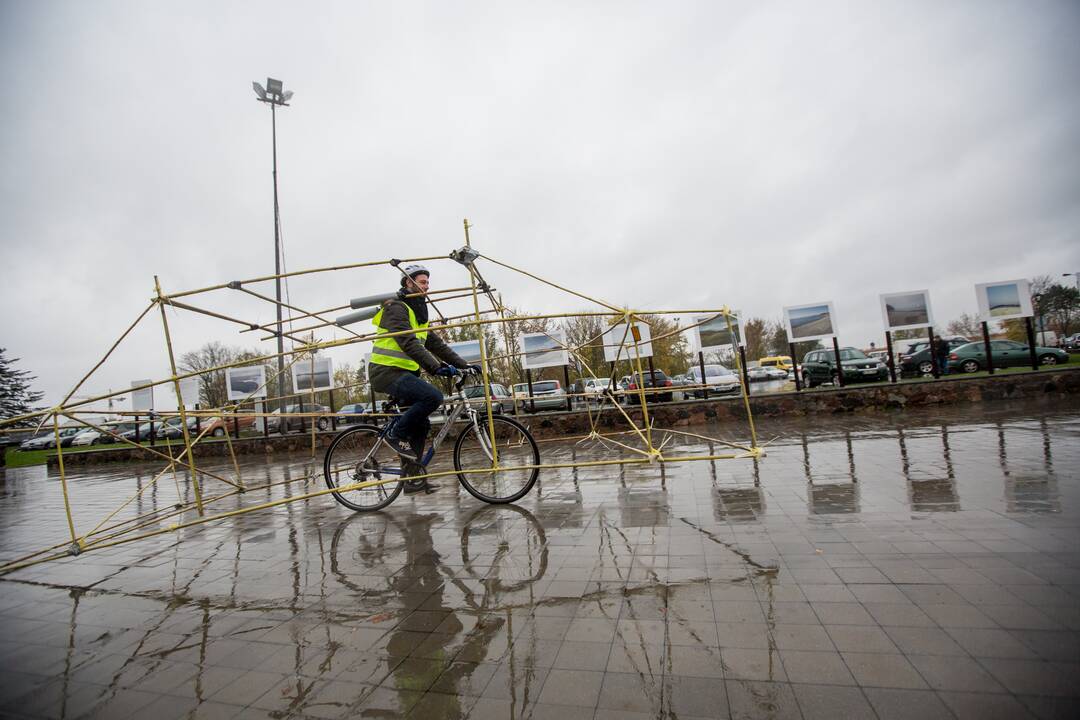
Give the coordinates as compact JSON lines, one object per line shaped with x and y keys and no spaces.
{"x":1048,"y":359}
{"x":970,"y":366}
{"x":926,"y":368}
{"x":219,"y":432}
{"x":322,"y":424}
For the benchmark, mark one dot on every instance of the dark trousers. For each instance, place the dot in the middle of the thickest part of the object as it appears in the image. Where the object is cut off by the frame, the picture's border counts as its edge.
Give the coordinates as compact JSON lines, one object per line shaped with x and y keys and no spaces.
{"x":422,"y":399}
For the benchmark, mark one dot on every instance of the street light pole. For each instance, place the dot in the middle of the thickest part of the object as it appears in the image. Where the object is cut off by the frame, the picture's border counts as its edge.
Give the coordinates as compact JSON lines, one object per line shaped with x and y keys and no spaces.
{"x":275,"y":95}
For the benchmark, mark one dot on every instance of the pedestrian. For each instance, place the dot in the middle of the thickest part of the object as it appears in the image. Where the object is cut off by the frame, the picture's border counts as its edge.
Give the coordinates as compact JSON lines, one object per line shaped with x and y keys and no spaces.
{"x":942,"y":349}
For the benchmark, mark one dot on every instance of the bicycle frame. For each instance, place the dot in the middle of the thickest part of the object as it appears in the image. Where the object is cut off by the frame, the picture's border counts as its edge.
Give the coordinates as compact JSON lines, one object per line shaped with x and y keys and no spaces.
{"x":459,"y":405}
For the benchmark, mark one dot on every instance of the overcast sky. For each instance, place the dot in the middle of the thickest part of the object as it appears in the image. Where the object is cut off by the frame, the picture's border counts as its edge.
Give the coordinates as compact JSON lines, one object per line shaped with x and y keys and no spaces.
{"x":660,"y":155}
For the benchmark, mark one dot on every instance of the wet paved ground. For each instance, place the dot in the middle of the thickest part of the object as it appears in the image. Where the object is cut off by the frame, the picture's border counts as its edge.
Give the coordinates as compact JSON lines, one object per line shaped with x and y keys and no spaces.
{"x":903,"y":566}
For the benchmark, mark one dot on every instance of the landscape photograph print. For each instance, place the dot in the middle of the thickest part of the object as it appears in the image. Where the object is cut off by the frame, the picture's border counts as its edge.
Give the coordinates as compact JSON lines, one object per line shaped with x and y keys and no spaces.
{"x":907,"y":310}
{"x":1004,"y":300}
{"x":543,"y":350}
{"x":241,"y":382}
{"x":713,"y":333}
{"x":306,"y":378}
{"x":809,"y":322}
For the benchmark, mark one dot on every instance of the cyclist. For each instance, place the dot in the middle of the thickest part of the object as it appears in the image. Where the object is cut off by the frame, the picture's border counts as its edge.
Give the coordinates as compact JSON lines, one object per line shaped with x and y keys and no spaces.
{"x":396,"y":363}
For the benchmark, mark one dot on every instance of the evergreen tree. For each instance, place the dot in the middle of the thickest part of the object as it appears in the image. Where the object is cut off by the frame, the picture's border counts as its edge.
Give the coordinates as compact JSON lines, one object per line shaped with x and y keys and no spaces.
{"x":16,"y":396}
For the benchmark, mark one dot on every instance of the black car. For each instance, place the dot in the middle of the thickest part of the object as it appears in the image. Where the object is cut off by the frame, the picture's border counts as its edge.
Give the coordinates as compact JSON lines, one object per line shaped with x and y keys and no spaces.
{"x":819,"y":366}
{"x":920,"y":362}
{"x":652,"y":379}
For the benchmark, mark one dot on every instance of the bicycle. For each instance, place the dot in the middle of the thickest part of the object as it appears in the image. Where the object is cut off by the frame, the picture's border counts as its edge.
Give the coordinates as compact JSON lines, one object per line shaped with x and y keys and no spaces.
{"x":360,"y":455}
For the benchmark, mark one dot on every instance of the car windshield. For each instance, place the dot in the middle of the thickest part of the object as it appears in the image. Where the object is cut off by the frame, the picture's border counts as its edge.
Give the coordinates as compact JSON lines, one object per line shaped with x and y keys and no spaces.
{"x":546,"y":386}
{"x":852,"y":354}
{"x":476,"y":391}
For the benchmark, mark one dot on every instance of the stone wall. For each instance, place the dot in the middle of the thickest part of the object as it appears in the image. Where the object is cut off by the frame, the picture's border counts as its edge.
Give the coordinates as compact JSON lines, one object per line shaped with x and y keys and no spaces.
{"x":1052,"y":386}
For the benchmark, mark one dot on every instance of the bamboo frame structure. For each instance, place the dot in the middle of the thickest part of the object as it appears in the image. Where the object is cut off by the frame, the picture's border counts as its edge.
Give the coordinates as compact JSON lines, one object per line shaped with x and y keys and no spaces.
{"x":640,"y":442}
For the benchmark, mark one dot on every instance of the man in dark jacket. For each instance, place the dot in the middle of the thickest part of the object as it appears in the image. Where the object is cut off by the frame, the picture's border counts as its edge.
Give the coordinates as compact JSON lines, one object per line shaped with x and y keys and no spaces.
{"x":396,"y":361}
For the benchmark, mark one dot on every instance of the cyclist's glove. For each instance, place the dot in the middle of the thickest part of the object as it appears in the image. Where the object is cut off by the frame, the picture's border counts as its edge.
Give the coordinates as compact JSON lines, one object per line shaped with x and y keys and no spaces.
{"x":475,"y":369}
{"x":447,"y":371}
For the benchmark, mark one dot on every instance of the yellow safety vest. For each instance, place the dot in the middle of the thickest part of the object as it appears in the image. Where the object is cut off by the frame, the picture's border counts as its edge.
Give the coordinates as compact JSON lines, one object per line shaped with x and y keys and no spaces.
{"x":386,"y":351}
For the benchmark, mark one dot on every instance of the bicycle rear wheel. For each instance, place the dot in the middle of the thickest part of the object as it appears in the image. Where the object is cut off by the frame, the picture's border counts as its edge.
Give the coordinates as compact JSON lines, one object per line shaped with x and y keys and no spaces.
{"x":357,"y":456}
{"x":517,"y":452}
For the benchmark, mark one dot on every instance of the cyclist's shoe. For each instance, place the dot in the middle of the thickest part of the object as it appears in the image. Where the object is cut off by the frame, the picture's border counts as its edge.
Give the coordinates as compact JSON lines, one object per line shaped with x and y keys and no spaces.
{"x":401,"y":446}
{"x":417,"y":485}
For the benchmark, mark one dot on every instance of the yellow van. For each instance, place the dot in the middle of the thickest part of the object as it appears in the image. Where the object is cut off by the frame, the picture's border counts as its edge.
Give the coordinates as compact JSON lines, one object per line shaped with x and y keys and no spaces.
{"x":777,"y":361}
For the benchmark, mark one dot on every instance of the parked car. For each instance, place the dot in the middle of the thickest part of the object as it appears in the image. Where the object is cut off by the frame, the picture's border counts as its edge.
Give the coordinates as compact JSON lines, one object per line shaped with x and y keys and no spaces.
{"x":1071,"y":342}
{"x":501,"y":401}
{"x":880,"y":355}
{"x":38,"y":442}
{"x":920,"y":363}
{"x":718,"y":378}
{"x":67,"y":436}
{"x":764,"y":374}
{"x":546,"y":395}
{"x":141,"y":432}
{"x":351,"y":414}
{"x":593,"y":389}
{"x":778,"y":361}
{"x":299,"y":422}
{"x":1005,"y":353}
{"x":88,"y":436}
{"x":118,"y":427}
{"x":650,"y":380}
{"x":819,"y":366}
{"x":228,"y":422}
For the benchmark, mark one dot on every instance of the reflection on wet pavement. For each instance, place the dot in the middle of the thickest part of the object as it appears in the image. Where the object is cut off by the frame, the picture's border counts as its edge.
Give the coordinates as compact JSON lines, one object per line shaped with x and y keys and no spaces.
{"x":918,"y":565}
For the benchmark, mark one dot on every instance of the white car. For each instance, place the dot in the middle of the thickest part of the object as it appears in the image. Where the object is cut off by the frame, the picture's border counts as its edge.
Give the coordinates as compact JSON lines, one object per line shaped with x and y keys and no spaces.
{"x":718,"y":379}
{"x":594,"y":388}
{"x":87,"y":437}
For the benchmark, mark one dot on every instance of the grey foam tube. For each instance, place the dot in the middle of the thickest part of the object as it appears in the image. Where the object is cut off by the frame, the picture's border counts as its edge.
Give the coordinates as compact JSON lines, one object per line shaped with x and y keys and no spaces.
{"x":349,"y":318}
{"x":368,"y":300}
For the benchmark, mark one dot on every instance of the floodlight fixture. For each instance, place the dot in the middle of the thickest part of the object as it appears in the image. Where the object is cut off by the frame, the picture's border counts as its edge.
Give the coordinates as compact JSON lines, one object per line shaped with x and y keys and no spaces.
{"x":274,"y":93}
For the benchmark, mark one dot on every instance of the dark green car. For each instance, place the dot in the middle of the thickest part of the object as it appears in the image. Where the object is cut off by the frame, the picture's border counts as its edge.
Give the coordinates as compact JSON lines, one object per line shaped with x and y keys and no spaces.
{"x":819,"y":366}
{"x":1006,"y":353}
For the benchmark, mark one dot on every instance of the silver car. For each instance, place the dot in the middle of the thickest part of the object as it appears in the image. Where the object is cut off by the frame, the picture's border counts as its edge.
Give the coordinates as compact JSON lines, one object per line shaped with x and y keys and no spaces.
{"x":546,"y":395}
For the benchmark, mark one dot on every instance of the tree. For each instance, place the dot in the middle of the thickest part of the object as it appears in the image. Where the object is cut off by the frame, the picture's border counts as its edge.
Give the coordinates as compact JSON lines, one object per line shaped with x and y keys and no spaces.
{"x":1060,"y":306}
{"x":350,"y":385}
{"x":671,"y":351}
{"x":16,"y":397}
{"x":212,"y":390}
{"x":583,"y":332}
{"x":775,"y":338}
{"x":967,"y":325}
{"x":756,"y":330}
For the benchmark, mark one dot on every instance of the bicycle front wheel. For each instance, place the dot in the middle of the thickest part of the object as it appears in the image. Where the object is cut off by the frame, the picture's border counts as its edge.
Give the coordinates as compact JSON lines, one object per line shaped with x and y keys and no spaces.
{"x":357,"y":456}
{"x":518,"y":455}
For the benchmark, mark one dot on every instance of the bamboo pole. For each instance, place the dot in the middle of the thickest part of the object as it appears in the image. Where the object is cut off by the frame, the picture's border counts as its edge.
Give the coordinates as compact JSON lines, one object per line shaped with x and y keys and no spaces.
{"x":295,"y":273}
{"x":179,"y":400}
{"x":742,"y":377}
{"x":63,"y":482}
{"x":557,"y":287}
{"x":483,"y":358}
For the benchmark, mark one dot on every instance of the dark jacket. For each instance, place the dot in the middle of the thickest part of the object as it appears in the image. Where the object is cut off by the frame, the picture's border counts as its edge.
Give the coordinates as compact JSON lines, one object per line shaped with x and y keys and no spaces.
{"x":430,"y":355}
